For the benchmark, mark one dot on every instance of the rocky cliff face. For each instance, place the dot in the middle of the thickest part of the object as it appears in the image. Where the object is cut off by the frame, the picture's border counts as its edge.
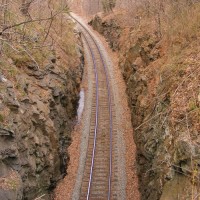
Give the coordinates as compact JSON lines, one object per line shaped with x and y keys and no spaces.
{"x":164,"y":99}
{"x":37,"y":114}
{"x":109,"y":29}
{"x":166,"y":131}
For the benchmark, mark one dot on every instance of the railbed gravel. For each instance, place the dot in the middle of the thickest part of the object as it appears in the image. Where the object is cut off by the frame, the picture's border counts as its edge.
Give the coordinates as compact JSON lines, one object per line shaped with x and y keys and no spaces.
{"x":127,"y":176}
{"x":86,"y":123}
{"x":120,"y":140}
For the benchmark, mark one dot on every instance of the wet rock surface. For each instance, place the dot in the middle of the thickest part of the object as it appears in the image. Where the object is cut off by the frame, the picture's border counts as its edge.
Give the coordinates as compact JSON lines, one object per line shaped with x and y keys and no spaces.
{"x":37,"y":116}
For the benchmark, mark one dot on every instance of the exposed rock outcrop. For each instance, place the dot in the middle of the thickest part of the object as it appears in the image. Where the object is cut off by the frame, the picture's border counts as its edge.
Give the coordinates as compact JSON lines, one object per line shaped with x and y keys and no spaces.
{"x":167,"y":149}
{"x":166,"y":152}
{"x":109,"y":29}
{"x":37,"y":114}
{"x":164,"y":112}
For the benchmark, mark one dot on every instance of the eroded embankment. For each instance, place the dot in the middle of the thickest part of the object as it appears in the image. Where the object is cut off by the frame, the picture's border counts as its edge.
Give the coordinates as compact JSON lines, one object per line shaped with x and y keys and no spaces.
{"x":163,"y":90}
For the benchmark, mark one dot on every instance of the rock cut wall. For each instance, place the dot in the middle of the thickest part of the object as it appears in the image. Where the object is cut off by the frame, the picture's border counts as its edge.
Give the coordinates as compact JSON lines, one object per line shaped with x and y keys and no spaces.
{"x":163,"y":94}
{"x":37,"y":114}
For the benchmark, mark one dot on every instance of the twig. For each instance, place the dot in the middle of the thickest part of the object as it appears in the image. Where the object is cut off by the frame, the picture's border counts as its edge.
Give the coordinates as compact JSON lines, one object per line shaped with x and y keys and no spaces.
{"x":185,"y":80}
{"x":198,"y":195}
{"x":49,"y":28}
{"x":38,"y":198}
{"x":4,"y":5}
{"x":151,"y":119}
{"x":12,"y":46}
{"x":26,"y":51}
{"x":29,"y":21}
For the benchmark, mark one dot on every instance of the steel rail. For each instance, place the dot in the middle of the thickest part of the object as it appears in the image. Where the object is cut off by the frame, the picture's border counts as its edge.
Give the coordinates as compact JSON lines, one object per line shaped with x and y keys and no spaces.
{"x":96,"y":119}
{"x":110,"y":111}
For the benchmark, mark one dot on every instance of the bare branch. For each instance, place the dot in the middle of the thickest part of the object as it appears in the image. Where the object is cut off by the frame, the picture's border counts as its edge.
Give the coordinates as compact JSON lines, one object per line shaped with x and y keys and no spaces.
{"x":29,"y":21}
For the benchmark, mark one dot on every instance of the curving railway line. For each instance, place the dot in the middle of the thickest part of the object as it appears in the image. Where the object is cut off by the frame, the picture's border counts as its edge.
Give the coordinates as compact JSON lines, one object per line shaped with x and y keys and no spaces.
{"x":100,"y":171}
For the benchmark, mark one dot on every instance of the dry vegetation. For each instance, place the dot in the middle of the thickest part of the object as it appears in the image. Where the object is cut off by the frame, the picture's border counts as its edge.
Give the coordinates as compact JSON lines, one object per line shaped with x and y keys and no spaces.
{"x":32,"y":31}
{"x":172,"y":95}
{"x":91,"y":7}
{"x":172,"y":18}
{"x":39,"y":56}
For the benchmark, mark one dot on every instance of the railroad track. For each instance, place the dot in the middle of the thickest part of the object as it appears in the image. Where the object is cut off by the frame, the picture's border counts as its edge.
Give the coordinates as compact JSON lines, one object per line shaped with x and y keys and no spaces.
{"x":100,"y":171}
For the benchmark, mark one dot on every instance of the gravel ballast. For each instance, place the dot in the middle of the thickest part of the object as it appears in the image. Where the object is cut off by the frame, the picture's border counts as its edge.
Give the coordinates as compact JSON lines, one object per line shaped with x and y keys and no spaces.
{"x":127,"y":176}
